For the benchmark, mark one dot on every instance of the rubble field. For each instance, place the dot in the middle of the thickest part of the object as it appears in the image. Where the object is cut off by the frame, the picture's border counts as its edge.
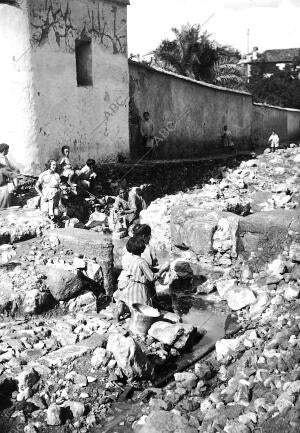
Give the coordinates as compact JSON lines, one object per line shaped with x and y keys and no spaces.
{"x":67,"y":366}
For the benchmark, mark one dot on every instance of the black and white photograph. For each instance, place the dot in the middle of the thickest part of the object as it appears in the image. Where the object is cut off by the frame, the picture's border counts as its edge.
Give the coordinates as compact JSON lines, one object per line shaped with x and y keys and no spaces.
{"x":150,"y":216}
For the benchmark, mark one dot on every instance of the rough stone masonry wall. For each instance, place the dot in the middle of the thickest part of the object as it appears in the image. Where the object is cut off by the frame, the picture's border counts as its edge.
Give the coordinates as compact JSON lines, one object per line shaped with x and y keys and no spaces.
{"x":44,"y":107}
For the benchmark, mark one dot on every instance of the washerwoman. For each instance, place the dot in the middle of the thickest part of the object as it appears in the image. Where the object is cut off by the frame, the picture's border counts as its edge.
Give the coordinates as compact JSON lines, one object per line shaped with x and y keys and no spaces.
{"x":48,"y":187}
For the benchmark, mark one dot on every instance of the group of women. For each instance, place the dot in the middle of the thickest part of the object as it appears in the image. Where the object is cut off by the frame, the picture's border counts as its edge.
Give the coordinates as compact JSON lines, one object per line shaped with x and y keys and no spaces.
{"x":49,"y":182}
{"x":140,"y":270}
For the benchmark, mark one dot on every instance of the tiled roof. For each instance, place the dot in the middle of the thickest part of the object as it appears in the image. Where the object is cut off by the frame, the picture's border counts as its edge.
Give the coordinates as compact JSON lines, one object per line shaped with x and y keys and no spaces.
{"x":280,"y":56}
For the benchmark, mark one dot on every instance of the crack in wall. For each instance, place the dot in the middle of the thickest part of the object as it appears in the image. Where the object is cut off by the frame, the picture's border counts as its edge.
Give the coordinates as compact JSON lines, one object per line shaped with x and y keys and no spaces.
{"x":95,"y":25}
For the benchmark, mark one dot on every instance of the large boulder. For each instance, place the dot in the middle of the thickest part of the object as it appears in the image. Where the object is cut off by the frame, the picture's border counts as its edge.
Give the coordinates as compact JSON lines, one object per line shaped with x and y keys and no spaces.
{"x":194,"y":230}
{"x":224,"y":286}
{"x":225,"y":238}
{"x":91,"y":245}
{"x":63,"y":284}
{"x":240,"y":297}
{"x":162,"y":421}
{"x":36,"y":301}
{"x":129,"y":356}
{"x":178,"y":335}
{"x":204,"y":231}
{"x":265,"y":234}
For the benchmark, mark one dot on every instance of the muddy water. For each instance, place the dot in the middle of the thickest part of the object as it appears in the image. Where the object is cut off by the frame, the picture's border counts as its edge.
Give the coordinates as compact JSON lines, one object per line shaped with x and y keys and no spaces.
{"x":205,"y":313}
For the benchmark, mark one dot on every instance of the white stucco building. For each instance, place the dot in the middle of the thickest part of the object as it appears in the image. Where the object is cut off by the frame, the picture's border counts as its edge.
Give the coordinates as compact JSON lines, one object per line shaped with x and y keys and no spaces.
{"x":63,"y":80}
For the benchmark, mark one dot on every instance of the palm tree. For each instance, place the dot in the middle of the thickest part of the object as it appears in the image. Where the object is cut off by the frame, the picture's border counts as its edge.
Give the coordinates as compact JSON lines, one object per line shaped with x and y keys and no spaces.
{"x":191,"y":54}
{"x":229,"y":73}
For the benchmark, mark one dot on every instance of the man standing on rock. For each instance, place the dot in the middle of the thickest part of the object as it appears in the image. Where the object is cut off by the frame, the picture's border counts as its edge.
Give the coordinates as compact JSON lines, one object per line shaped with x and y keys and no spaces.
{"x":274,"y":141}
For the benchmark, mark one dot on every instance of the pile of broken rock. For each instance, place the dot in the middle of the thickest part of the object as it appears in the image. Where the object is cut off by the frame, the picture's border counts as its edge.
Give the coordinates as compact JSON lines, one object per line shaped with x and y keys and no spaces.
{"x":69,"y":370}
{"x":253,"y":382}
{"x":253,"y":210}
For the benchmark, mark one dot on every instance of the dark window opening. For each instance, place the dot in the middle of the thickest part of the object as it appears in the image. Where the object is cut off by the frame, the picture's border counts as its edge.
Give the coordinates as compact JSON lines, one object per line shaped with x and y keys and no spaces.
{"x":84,"y":63}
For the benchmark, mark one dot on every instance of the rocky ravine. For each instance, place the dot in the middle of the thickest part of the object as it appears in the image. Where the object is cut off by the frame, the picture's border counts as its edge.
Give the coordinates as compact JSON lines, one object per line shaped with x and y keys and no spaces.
{"x":69,"y":369}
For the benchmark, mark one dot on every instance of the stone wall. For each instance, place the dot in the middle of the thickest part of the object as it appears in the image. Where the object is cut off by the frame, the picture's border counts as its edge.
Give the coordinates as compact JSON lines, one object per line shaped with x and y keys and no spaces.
{"x":45,"y":106}
{"x":267,"y":118}
{"x":293,"y":125}
{"x":188,"y":115}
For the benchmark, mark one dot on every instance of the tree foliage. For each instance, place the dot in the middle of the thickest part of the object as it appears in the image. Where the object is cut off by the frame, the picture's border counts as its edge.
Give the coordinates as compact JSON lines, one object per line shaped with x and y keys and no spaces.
{"x":229,"y":73}
{"x":281,"y":88}
{"x":194,"y":54}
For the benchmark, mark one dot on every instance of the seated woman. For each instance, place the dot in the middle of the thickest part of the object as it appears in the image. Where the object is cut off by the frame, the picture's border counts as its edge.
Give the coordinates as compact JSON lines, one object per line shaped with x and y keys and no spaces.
{"x":7,"y":178}
{"x":87,"y":175}
{"x":121,"y":215}
{"x":4,"y":149}
{"x":136,"y":281}
{"x":48,"y":188}
{"x":65,"y":160}
{"x":13,"y":184}
{"x":97,"y":220}
{"x":136,"y":202}
{"x":68,"y":173}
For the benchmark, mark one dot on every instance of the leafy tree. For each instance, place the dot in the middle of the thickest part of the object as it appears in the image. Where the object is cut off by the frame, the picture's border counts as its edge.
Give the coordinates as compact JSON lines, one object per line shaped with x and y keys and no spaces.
{"x":194,"y":54}
{"x":230,"y":75}
{"x":228,"y":72}
{"x":191,"y":53}
{"x":281,"y":88}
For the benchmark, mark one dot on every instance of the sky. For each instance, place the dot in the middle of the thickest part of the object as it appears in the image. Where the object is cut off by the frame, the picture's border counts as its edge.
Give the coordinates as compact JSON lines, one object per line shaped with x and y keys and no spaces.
{"x":272,"y":23}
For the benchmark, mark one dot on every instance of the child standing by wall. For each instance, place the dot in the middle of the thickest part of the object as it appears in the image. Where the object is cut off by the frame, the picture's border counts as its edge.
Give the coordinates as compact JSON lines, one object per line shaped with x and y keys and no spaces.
{"x":274,"y":141}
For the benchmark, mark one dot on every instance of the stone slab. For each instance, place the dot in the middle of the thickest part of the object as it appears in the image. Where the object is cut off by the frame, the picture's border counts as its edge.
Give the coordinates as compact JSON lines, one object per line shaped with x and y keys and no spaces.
{"x":81,"y":241}
{"x":66,"y":354}
{"x":18,"y":224}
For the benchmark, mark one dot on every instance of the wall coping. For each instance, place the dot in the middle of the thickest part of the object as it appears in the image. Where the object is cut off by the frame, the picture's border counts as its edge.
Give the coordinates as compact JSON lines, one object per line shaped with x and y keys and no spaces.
{"x":259,"y":104}
{"x":208,"y":85}
{"x":123,"y":2}
{"x":191,"y":80}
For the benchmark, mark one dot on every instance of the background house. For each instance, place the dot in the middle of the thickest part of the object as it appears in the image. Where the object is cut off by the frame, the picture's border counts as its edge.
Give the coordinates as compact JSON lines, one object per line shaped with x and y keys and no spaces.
{"x":269,"y":61}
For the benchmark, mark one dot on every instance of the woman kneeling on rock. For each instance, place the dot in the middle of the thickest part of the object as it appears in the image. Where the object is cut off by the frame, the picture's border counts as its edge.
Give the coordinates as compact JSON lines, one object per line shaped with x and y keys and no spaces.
{"x":48,"y":188}
{"x":136,"y":279}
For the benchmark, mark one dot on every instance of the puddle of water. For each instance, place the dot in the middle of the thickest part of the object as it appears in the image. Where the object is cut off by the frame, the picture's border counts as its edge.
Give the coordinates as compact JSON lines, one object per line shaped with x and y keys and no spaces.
{"x":197,"y":311}
{"x":213,"y":323}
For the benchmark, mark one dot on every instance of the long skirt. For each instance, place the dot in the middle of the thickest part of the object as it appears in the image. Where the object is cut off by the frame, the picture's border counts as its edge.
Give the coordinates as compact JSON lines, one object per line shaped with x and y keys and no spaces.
{"x":50,"y":207}
{"x":5,"y":197}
